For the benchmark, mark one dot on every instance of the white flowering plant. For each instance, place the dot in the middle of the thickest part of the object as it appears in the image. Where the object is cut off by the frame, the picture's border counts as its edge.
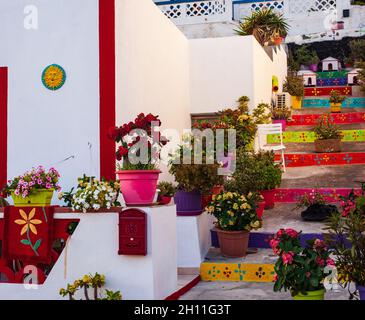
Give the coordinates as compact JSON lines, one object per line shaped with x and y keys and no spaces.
{"x":235,"y":212}
{"x":93,"y":195}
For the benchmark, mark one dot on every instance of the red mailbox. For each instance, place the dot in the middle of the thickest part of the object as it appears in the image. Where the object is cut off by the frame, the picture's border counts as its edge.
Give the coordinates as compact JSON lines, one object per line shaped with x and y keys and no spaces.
{"x":133,"y":232}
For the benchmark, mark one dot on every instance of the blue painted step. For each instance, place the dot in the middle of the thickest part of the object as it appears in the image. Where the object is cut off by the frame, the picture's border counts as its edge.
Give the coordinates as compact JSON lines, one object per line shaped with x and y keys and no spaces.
{"x":324,"y":103}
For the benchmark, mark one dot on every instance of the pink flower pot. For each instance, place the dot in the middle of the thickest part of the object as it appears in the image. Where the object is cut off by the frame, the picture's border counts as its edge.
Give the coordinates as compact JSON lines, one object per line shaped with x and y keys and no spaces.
{"x":314,"y":67}
{"x":260,"y":209}
{"x":282,"y":121}
{"x":269,"y":198}
{"x":138,"y":186}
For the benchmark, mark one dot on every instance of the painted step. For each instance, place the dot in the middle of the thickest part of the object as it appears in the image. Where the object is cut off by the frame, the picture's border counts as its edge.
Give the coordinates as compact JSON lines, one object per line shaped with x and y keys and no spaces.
{"x":322,"y":159}
{"x":303,"y":148}
{"x":310,"y":136}
{"x":324,"y":103}
{"x":325,"y":82}
{"x":257,"y":267}
{"x":332,"y":74}
{"x":341,"y":126}
{"x":326,"y":91}
{"x":338,"y":118}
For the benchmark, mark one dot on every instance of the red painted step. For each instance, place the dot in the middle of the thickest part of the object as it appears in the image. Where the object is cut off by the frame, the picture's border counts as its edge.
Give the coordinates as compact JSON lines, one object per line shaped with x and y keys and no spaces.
{"x":322,"y":159}
{"x":326,"y":91}
{"x":339,"y":118}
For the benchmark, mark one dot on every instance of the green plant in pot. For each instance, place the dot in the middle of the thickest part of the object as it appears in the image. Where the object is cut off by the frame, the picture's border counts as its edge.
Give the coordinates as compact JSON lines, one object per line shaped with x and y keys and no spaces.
{"x":236,"y":217}
{"x":336,"y":101}
{"x":268,"y":27}
{"x":347,"y":238}
{"x":34,"y":188}
{"x":300,"y":269}
{"x":166,"y":191}
{"x":256,"y":173}
{"x":294,"y":85}
{"x":328,"y":136}
{"x":281,"y":115}
{"x":316,"y":206}
{"x":193,"y":180}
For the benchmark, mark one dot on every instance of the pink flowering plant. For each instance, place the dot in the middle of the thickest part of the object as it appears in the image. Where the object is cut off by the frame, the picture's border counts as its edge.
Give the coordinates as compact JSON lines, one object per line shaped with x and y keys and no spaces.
{"x":36,"y":179}
{"x":299,"y":269}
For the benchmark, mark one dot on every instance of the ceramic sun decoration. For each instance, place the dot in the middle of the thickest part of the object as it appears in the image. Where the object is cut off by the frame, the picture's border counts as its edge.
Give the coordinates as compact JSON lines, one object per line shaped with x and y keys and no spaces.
{"x":54,"y":77}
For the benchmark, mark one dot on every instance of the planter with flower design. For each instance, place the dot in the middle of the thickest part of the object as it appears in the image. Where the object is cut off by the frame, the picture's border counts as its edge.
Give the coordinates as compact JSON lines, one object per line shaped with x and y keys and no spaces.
{"x":33,"y":188}
{"x":139,"y":150}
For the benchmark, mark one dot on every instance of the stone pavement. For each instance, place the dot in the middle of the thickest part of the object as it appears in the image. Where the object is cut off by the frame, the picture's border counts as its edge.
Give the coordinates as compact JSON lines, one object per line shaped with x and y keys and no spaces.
{"x":247,"y":291}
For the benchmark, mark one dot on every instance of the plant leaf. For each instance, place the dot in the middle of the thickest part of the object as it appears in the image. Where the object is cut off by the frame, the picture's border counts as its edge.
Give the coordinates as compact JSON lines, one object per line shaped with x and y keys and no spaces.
{"x":25,"y":242}
{"x":37,"y":244}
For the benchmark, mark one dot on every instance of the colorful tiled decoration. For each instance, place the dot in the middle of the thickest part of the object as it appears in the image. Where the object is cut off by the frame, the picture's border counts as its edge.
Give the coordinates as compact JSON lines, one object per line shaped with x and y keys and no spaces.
{"x":331,"y":82}
{"x":309,"y":136}
{"x":315,"y":92}
{"x":239,"y":272}
{"x":324,"y":103}
{"x":53,"y":77}
{"x":339,"y":118}
{"x":332,"y":74}
{"x":292,"y":195}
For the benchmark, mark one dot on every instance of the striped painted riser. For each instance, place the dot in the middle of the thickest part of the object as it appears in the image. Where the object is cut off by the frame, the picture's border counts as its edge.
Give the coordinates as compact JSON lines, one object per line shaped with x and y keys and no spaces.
{"x":310,"y":136}
{"x":331,"y":74}
{"x":331,"y":82}
{"x":326,"y":91}
{"x":338,"y":118}
{"x":324,"y":103}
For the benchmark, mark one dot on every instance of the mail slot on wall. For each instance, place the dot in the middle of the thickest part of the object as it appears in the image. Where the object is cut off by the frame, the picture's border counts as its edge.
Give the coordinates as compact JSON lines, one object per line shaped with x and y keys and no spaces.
{"x":133,"y":232}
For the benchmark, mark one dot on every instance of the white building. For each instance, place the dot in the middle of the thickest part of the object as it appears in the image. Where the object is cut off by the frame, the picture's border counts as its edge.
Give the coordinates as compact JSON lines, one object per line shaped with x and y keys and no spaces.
{"x":309,"y":77}
{"x":310,"y":20}
{"x":331,"y":64}
{"x":353,"y":77}
{"x":120,"y":58}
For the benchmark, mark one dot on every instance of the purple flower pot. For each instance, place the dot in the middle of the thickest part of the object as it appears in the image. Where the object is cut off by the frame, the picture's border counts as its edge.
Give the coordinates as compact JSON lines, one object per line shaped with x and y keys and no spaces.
{"x":314,"y":67}
{"x":283,"y":123}
{"x":188,"y":203}
{"x":361,"y":291}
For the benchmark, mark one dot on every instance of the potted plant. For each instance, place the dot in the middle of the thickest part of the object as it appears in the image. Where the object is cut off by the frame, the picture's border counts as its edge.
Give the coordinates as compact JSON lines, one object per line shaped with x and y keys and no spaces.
{"x":166,"y":190}
{"x":316,"y":207}
{"x":92,"y":195}
{"x":265,"y":25}
{"x":140,"y":146}
{"x":301,"y":270}
{"x":294,"y":85}
{"x":236,"y":217}
{"x":313,"y":61}
{"x":328,"y":136}
{"x":33,"y":188}
{"x":347,"y":238}
{"x":304,"y":56}
{"x":281,"y":115}
{"x":336,"y":101}
{"x":256,"y":173}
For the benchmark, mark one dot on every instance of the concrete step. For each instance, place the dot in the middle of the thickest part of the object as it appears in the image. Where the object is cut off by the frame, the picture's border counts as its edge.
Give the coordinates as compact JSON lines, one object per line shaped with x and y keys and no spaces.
{"x":324,"y":177}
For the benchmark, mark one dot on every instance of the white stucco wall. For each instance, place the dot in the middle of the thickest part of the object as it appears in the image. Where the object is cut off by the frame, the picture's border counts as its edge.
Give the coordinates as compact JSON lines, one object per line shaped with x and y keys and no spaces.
{"x":152,"y":66}
{"x":45,"y":127}
{"x":224,"y":69}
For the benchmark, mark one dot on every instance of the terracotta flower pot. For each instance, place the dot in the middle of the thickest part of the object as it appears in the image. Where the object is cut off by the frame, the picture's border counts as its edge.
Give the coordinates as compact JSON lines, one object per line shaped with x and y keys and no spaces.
{"x":328,"y":146}
{"x":278,"y":41}
{"x":311,"y":295}
{"x":138,"y":186}
{"x":233,"y":244}
{"x":269,"y":198}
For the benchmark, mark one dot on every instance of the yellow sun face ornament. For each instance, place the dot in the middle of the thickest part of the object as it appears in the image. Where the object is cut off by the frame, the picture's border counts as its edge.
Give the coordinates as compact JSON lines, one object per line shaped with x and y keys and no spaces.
{"x":53,"y":77}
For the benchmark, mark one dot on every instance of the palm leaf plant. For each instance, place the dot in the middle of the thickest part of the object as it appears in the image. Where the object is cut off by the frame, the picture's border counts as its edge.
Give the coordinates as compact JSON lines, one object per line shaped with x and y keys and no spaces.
{"x":264,"y":25}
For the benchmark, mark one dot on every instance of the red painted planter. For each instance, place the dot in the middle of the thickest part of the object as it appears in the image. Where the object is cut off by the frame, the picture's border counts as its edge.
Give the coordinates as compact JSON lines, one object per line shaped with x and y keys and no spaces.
{"x":282,"y":121}
{"x":138,"y":186}
{"x":269,"y":198}
{"x":164,"y":200}
{"x":260,"y":209}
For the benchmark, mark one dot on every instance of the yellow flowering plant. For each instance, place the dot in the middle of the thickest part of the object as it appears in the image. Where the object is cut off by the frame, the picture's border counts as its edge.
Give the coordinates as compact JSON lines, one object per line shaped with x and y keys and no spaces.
{"x":235,"y":212}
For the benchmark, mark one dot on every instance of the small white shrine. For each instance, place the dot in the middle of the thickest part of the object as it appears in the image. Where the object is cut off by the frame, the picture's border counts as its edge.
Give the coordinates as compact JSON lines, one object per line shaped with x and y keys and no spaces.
{"x":331,"y":64}
{"x":309,"y":77}
{"x":353,"y":77}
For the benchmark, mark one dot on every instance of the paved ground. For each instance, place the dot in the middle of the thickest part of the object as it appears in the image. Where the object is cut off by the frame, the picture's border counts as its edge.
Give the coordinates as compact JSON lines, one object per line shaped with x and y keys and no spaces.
{"x":246,"y":291}
{"x":324,"y":177}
